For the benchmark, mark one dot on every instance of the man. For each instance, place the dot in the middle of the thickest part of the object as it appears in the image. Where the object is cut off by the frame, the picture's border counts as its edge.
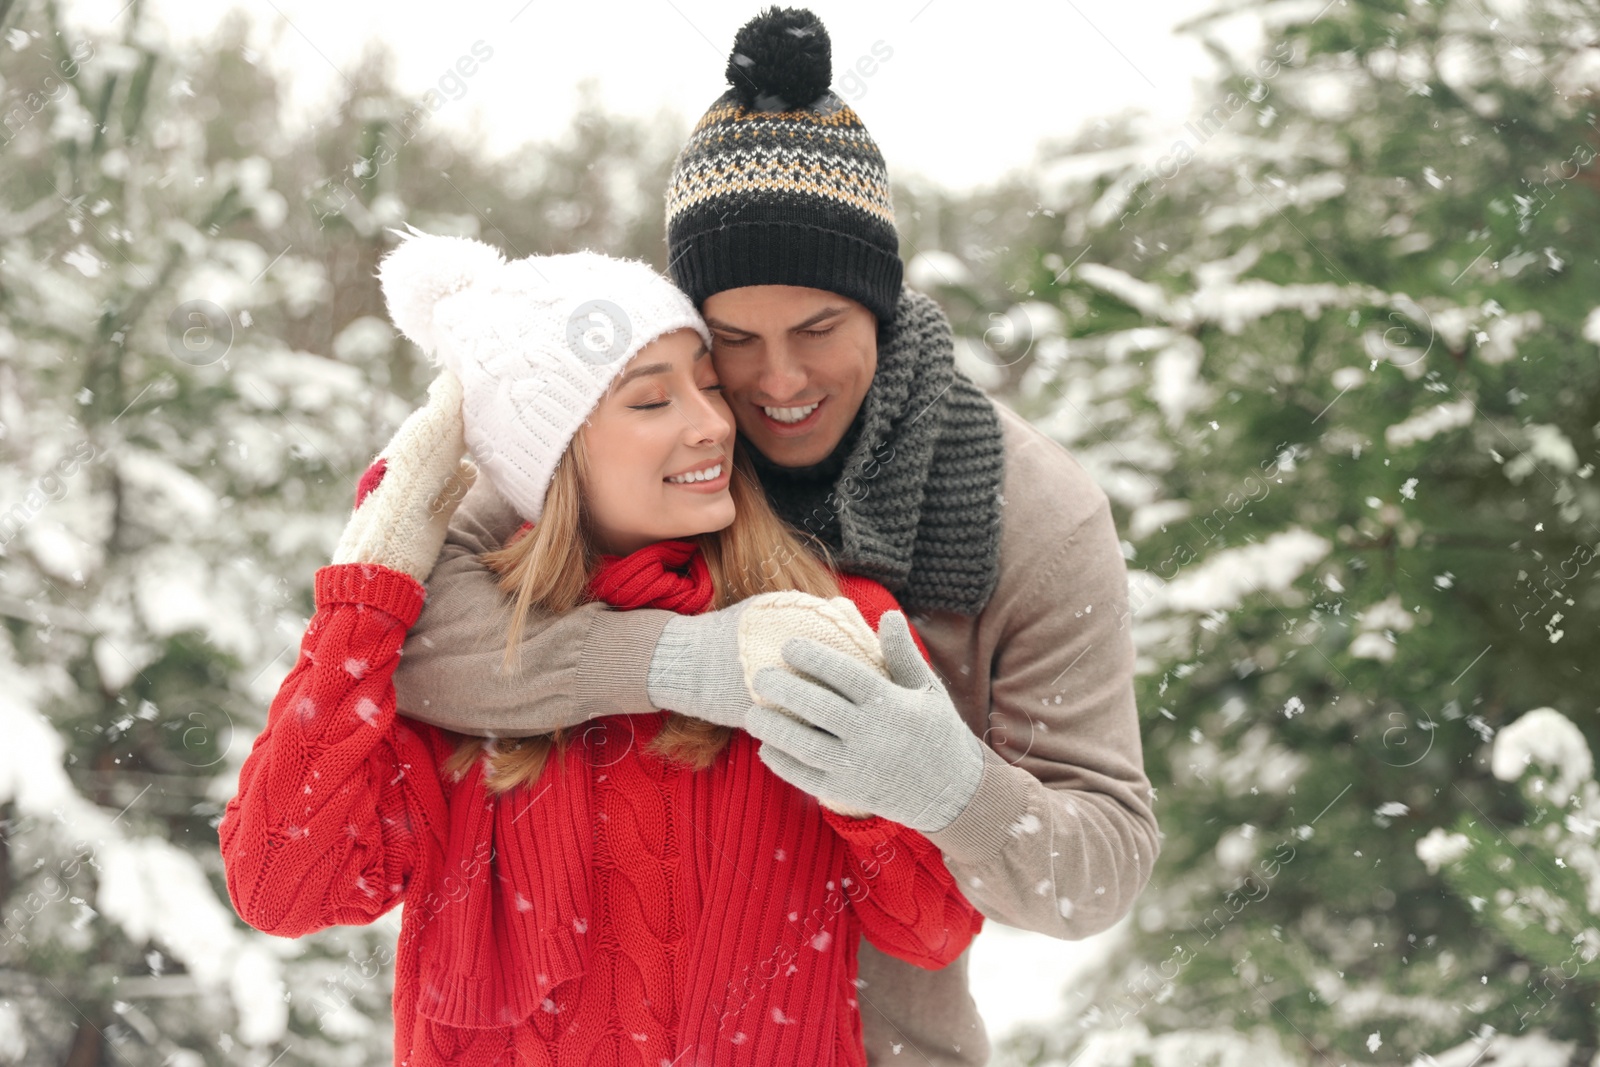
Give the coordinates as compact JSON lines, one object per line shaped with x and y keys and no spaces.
{"x":1022,"y":761}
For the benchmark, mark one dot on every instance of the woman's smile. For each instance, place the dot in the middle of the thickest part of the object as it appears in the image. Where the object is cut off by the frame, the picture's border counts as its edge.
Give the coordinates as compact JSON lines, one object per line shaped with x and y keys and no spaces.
{"x":711,"y":476}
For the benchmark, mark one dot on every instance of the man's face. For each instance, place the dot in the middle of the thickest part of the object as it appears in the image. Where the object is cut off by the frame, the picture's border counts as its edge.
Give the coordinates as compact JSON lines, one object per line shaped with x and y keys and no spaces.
{"x":795,"y":364}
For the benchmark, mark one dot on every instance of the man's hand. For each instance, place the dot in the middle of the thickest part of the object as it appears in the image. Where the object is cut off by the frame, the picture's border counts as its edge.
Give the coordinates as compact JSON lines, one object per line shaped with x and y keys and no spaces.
{"x":703,"y":664}
{"x":834,"y":622}
{"x":695,"y":669}
{"x":893,"y":746}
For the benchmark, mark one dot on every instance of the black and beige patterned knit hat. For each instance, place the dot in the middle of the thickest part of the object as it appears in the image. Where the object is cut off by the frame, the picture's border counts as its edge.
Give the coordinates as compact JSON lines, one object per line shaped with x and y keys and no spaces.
{"x":780,"y":183}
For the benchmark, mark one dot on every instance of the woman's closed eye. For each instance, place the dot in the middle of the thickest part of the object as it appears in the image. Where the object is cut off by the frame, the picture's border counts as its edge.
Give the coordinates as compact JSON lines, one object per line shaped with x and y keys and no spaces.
{"x":715,"y":387}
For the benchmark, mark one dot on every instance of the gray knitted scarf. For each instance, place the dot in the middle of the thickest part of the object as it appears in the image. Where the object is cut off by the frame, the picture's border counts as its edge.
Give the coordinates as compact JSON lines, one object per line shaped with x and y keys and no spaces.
{"x":910,"y":497}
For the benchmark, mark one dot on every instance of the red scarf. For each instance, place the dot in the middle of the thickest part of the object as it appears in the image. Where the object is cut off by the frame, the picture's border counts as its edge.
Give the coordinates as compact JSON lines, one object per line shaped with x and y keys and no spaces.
{"x":668,"y":574}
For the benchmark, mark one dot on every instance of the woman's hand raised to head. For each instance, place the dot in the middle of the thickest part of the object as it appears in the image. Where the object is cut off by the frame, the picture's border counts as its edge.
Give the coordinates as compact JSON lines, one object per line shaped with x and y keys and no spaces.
{"x":405,"y":499}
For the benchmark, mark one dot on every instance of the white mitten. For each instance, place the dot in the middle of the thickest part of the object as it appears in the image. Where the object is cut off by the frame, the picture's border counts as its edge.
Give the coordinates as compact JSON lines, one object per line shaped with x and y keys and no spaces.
{"x":406,"y":498}
{"x":771,"y":619}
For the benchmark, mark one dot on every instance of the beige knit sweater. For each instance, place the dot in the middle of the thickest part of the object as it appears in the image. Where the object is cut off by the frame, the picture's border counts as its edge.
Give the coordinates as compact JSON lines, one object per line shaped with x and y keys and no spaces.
{"x":1060,"y":837}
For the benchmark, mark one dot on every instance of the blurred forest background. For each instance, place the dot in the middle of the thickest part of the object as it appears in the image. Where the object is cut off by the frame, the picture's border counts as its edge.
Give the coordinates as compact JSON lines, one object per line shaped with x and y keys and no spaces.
{"x":1333,"y":354}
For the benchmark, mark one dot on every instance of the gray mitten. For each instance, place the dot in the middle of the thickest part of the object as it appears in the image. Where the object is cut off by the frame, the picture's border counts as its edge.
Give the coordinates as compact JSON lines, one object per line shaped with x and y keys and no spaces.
{"x":773,"y":618}
{"x":695,"y":669}
{"x":895,"y":746}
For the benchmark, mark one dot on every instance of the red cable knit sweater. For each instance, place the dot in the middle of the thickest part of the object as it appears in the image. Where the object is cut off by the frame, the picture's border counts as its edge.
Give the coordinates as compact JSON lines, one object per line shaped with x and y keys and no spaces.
{"x":619,"y":910}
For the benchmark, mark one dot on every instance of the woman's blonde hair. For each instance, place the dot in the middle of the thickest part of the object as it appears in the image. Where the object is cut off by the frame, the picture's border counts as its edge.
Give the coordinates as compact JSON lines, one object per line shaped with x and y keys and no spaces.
{"x":550,"y":567}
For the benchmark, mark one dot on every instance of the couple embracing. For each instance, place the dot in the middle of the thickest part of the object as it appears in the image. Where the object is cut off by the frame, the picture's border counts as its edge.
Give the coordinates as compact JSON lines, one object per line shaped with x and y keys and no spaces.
{"x":665,"y":774}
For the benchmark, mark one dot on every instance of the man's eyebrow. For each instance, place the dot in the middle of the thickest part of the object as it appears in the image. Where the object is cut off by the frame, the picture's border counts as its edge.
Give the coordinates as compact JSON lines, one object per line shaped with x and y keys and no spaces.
{"x":825,"y":313}
{"x":657,"y":368}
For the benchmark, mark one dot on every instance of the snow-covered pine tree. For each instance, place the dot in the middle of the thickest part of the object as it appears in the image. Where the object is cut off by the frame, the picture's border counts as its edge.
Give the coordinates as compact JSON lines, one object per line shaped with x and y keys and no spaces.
{"x":1537,"y":884}
{"x":1330,"y":348}
{"x":173,"y":474}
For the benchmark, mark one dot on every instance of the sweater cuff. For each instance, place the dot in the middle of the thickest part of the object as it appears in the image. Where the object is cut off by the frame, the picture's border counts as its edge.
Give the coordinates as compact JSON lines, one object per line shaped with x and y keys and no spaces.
{"x":987,"y":824}
{"x":398,"y":595}
{"x":872,"y":828}
{"x":614,"y":667}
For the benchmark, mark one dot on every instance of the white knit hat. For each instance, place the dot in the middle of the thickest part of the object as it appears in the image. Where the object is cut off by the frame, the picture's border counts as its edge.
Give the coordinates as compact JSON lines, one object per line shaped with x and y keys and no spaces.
{"x":536,"y":342}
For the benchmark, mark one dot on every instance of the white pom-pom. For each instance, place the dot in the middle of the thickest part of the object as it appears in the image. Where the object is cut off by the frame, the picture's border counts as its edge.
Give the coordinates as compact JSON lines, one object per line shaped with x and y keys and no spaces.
{"x":423,"y":269}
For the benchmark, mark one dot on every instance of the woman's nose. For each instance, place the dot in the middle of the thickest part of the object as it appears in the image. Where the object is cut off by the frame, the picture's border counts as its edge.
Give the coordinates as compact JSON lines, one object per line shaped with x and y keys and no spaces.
{"x":708,"y":421}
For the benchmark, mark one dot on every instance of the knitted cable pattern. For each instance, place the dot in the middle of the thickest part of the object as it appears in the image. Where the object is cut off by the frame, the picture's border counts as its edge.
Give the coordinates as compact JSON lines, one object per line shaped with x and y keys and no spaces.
{"x":616,"y":911}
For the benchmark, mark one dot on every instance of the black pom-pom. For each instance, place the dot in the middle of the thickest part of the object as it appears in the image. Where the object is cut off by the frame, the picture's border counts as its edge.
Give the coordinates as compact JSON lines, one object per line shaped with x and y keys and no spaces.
{"x":781,"y":60}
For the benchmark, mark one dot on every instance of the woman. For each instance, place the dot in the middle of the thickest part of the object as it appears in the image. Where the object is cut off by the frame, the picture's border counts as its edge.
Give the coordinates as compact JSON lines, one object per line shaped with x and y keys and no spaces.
{"x":649,"y":888}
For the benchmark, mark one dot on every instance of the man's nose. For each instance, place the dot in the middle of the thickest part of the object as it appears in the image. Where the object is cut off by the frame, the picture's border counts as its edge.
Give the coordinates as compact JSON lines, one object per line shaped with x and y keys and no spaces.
{"x":781,"y":377}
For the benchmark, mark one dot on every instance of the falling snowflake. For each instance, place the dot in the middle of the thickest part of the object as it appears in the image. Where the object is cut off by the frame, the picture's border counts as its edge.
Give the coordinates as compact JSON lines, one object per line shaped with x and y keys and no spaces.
{"x":822,"y":941}
{"x":356,"y":668}
{"x":87,"y":263}
{"x":1294,"y":707}
{"x":1028,"y":824}
{"x":1441,"y":848}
